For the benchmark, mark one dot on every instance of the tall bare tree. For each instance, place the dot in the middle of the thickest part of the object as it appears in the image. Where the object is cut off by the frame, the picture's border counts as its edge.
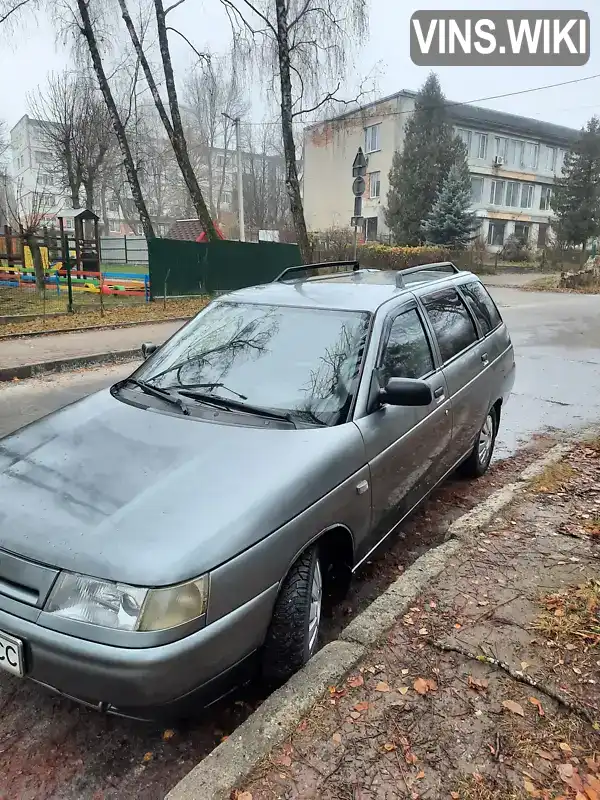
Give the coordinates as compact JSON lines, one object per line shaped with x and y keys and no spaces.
{"x":266,"y":205}
{"x":27,"y":210}
{"x":308,"y":43}
{"x":173,"y":124}
{"x":213,"y":98}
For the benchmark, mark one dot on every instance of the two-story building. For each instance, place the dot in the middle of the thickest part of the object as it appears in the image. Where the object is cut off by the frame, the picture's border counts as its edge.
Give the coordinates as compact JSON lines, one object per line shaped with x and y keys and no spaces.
{"x":513,"y":162}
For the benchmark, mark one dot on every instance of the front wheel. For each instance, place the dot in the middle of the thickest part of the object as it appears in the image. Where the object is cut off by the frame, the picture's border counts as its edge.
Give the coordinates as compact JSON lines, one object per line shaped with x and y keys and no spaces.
{"x":478,"y":462}
{"x":294,"y":631}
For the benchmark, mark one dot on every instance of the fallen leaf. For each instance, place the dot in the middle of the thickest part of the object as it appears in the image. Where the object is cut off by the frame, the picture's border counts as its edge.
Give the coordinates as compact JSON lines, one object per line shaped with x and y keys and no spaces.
{"x":355,"y":681}
{"x":405,"y":672}
{"x":510,"y":705}
{"x":362,"y":706}
{"x":455,"y":795}
{"x":147,"y":757}
{"x":420,"y":775}
{"x":479,"y":684}
{"x":545,"y":754}
{"x":590,"y":794}
{"x":524,"y":665}
{"x":389,"y":747}
{"x":168,"y":734}
{"x":382,"y":686}
{"x":403,"y":689}
{"x":566,"y":748}
{"x":410,"y":757}
{"x":534,"y":701}
{"x":457,"y":625}
{"x":337,"y":738}
{"x":423,"y":631}
{"x":530,"y":788}
{"x":565,"y":771}
{"x":420,"y":686}
{"x":243,"y":795}
{"x":284,"y":761}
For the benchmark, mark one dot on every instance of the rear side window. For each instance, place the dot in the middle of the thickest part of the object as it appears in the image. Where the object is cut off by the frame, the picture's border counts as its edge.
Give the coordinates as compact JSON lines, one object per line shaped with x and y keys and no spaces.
{"x":451,"y":322}
{"x":407,"y":353}
{"x":482,"y":306}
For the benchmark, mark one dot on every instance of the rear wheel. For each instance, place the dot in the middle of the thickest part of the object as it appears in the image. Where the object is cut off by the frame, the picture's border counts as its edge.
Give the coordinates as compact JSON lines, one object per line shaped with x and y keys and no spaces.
{"x":478,"y":462}
{"x":294,"y":631}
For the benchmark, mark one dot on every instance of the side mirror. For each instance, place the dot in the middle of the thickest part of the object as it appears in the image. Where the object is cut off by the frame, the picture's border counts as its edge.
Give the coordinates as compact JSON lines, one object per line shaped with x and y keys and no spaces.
{"x":406,"y":392}
{"x":148,"y":348}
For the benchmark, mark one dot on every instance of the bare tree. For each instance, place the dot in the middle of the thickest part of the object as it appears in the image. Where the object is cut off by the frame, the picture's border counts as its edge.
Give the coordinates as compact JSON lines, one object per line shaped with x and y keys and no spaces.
{"x":307,"y":42}
{"x":266,"y":204}
{"x":27,"y":210}
{"x":173,"y":125}
{"x":213,"y":97}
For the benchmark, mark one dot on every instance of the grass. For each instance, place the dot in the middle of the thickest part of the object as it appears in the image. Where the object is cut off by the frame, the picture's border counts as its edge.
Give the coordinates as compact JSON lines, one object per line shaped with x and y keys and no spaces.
{"x":572,"y":614}
{"x":549,"y":283}
{"x":133,"y":269}
{"x":553,"y":479}
{"x":113,"y":315}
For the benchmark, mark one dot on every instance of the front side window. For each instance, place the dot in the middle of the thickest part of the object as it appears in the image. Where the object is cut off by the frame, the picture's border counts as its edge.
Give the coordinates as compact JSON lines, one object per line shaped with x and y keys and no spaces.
{"x":407,"y":353}
{"x":301,"y":361}
{"x":372,"y":138}
{"x":483,"y":307}
{"x":451,"y":321}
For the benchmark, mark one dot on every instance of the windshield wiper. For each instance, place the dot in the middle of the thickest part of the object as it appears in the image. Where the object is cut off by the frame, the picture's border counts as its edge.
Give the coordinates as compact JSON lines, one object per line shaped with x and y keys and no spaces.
{"x":180,"y":387}
{"x":237,"y":405}
{"x":153,"y":391}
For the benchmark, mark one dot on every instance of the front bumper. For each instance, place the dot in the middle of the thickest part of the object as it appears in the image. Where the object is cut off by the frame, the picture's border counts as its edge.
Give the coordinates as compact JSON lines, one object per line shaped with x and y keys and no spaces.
{"x":135,"y":682}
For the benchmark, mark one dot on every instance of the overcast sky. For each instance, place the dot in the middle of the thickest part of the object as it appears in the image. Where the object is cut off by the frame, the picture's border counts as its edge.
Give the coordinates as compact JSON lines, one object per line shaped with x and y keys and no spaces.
{"x":385,"y":53}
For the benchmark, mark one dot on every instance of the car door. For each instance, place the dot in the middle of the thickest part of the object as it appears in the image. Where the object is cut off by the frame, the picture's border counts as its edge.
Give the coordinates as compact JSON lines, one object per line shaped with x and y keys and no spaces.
{"x":463,"y":364}
{"x":403,"y":445}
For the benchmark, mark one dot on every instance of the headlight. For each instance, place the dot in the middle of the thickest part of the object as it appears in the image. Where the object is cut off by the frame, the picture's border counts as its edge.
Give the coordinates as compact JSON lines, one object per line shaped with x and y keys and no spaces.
{"x":127,"y":608}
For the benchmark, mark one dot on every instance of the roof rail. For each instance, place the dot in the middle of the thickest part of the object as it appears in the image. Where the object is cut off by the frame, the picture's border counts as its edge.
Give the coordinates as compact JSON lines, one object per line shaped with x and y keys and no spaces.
{"x":290,"y":272}
{"x":438,"y":266}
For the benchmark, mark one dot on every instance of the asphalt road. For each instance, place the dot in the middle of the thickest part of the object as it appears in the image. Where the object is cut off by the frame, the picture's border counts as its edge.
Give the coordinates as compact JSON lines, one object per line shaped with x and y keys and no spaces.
{"x":53,"y":749}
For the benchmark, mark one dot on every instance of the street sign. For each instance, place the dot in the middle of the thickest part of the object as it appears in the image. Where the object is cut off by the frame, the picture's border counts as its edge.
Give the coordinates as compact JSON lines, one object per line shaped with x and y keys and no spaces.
{"x":359,"y":165}
{"x":358,"y":186}
{"x":356,"y":222}
{"x":358,"y":206}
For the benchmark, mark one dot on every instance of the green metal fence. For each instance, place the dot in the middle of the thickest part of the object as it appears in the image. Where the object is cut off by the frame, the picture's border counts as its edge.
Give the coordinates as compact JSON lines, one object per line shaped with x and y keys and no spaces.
{"x":190,"y":268}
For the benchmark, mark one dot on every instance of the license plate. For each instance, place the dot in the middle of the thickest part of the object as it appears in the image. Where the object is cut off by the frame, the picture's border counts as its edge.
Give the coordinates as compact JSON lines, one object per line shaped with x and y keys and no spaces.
{"x":11,"y":654}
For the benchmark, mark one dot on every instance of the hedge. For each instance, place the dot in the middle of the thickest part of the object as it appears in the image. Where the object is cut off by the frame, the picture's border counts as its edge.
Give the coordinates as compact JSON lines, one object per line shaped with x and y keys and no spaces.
{"x":384,"y":256}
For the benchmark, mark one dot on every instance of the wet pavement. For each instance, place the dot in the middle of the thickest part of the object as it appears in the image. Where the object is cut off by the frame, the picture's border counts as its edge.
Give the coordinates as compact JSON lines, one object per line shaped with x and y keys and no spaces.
{"x":52,"y":749}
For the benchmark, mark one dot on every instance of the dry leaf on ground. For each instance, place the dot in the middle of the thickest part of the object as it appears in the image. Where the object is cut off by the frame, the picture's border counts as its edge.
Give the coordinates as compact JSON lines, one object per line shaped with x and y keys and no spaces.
{"x":510,"y":705}
{"x":382,"y":686}
{"x":534,"y":701}
{"x":362,"y":706}
{"x":355,"y":681}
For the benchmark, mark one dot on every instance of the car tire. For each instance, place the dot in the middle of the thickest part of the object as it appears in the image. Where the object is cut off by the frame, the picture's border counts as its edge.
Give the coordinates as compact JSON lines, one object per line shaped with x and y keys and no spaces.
{"x":478,"y":462}
{"x":293,"y":634}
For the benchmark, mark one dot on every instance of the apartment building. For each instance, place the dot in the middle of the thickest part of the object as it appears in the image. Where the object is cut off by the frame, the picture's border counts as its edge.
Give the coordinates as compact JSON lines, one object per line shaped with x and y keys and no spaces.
{"x":37,"y":185}
{"x":513,"y":163}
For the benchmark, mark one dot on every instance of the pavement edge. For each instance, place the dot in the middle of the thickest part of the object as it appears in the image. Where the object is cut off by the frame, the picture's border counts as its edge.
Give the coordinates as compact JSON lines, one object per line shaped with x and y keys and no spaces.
{"x":23,"y":371}
{"x":226,"y":767}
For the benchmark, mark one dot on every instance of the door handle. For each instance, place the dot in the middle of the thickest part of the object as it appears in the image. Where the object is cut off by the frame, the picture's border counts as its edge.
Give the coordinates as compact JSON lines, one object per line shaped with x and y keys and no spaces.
{"x":439,"y":392}
{"x":484,"y":358}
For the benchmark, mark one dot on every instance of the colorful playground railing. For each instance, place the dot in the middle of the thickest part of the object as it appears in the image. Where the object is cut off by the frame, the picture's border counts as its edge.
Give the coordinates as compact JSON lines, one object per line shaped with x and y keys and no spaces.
{"x":107,"y":283}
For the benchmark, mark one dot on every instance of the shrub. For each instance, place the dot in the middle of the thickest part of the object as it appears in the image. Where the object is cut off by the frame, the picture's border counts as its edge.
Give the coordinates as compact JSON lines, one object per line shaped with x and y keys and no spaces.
{"x":515,"y":249}
{"x":382,"y":256}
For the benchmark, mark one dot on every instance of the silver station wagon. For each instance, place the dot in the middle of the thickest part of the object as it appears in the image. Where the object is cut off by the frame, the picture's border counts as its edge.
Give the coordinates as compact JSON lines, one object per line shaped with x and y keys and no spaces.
{"x":164,"y":539}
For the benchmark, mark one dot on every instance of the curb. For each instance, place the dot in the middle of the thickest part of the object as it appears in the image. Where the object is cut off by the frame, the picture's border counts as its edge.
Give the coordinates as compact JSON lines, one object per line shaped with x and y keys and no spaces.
{"x":7,"y":337}
{"x":22,"y":371}
{"x":232,"y":761}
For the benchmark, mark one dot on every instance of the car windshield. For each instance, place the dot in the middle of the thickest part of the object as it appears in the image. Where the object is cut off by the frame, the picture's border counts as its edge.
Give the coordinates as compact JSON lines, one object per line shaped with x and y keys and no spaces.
{"x":299,"y":361}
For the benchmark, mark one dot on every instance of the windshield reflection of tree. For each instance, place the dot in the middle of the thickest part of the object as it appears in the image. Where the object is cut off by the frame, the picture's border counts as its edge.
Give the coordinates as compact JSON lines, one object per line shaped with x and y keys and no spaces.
{"x":332,"y":384}
{"x":213,"y":350}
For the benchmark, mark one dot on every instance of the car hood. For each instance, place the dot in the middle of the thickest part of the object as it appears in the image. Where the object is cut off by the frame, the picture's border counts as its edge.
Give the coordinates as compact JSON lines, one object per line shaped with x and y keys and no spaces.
{"x":150,"y":498}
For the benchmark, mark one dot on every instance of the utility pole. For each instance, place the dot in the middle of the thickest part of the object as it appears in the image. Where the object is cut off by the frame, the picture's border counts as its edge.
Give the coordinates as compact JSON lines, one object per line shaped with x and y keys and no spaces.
{"x":240,"y":176}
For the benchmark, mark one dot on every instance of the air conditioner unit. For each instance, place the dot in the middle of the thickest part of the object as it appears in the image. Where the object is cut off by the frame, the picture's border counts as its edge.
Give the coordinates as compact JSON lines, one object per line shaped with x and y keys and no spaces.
{"x":498,"y":161}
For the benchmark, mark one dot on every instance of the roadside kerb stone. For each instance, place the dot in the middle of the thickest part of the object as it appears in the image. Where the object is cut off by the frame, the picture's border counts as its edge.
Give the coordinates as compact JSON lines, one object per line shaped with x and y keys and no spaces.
{"x":229,"y":764}
{"x":6,"y":337}
{"x":269,"y":726}
{"x":23,"y":371}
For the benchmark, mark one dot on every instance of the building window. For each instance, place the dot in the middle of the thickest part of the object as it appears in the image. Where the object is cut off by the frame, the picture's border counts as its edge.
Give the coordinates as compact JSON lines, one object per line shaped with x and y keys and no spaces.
{"x":497,"y":193}
{"x":372,"y":138}
{"x":551,"y":159}
{"x":543,"y":234}
{"x":496,"y":233}
{"x":467,"y":137}
{"x":41,"y":156}
{"x":371,"y":229}
{"x":527,"y":196}
{"x":512,"y":194}
{"x":113,"y":206}
{"x":374,"y":184}
{"x":532,"y":155}
{"x":69,"y":224}
{"x":220,"y":161}
{"x":47,"y":199}
{"x":476,"y":189}
{"x":114,"y":226}
{"x":522,"y":231}
{"x":546,"y":198}
{"x":227,"y":198}
{"x":481,"y":143}
{"x":501,"y":147}
{"x":516,"y":153}
{"x":46,"y":179}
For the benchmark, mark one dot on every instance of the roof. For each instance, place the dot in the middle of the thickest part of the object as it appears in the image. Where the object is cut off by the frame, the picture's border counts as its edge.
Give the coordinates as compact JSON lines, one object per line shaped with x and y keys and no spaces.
{"x":365,"y":290}
{"x":480,"y":117}
{"x":185,"y":229}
